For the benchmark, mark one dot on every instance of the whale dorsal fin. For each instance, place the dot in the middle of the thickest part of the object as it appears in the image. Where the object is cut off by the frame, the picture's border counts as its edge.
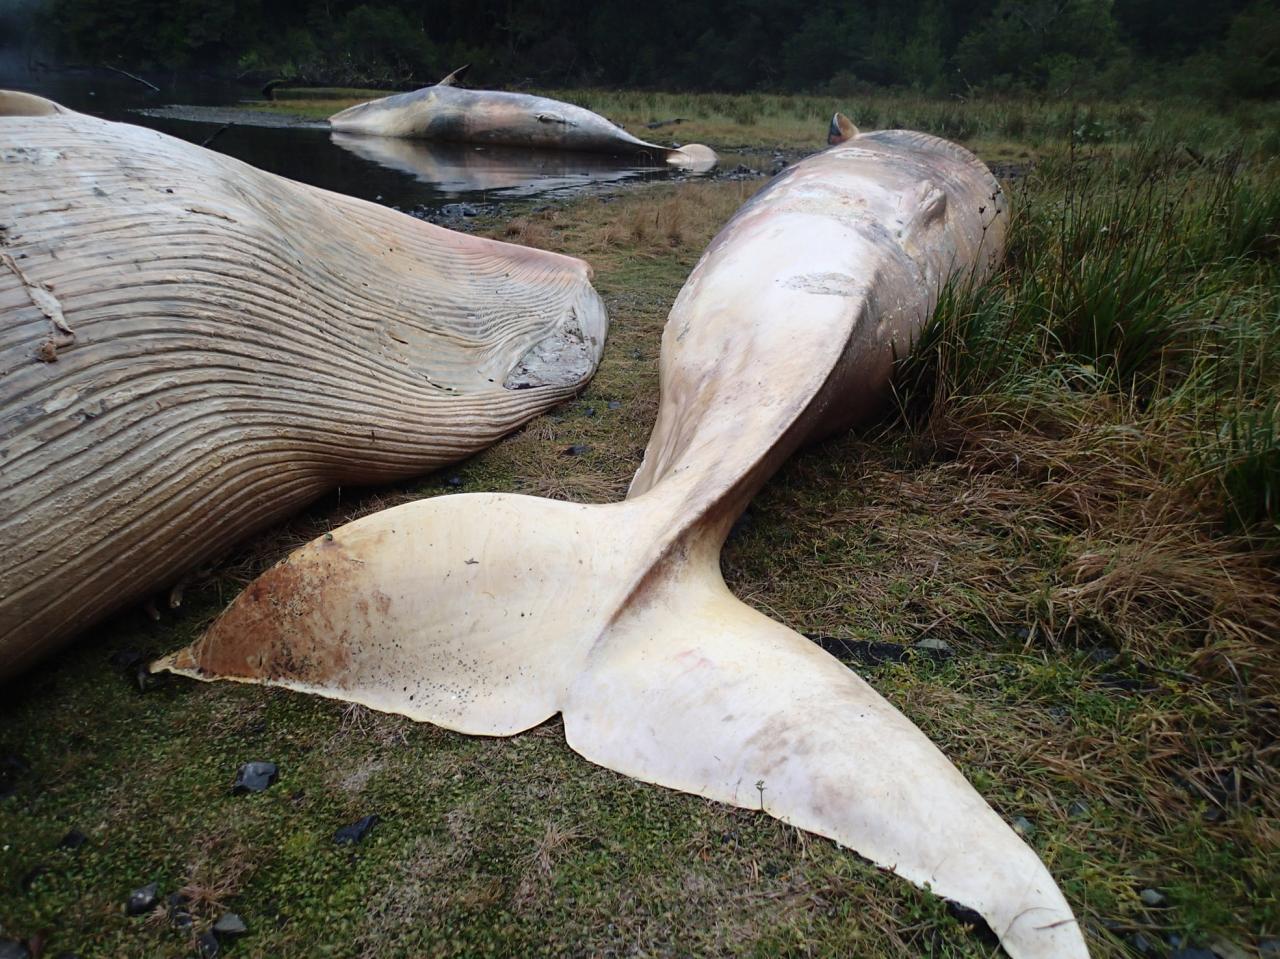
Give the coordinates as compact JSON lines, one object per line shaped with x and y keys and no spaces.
{"x":452,"y":79}
{"x":841,"y":129}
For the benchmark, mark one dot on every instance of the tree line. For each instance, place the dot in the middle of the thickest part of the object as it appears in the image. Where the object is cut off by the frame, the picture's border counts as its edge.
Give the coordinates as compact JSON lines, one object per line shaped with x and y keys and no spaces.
{"x":1076,"y":47}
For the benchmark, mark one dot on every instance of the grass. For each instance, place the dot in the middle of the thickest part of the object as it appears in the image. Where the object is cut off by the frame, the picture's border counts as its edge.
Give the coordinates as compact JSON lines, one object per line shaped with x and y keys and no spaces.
{"x":1076,"y":490}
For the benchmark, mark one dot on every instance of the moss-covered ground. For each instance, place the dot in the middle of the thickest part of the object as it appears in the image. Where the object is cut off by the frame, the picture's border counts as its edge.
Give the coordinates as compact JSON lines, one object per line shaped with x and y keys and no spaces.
{"x":1083,"y":509}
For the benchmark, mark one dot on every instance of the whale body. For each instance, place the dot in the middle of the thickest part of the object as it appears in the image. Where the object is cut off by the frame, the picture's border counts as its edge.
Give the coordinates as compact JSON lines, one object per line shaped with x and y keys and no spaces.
{"x":451,"y":114}
{"x":192,"y":349}
{"x":489,"y":613}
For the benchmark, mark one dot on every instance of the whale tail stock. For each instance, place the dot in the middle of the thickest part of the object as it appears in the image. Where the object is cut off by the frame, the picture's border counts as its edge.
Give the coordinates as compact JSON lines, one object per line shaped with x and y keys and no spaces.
{"x":490,"y":613}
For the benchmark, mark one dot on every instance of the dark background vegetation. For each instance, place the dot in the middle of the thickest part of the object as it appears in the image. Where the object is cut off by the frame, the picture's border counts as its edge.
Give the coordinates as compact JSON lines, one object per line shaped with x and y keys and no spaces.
{"x":1223,"y":48}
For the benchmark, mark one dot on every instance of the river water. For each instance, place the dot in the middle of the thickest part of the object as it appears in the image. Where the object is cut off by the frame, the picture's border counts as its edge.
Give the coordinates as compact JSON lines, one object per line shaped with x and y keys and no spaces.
{"x":408,"y":175}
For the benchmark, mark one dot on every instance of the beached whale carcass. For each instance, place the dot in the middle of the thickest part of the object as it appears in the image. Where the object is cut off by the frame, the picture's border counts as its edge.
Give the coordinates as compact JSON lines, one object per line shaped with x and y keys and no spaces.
{"x":449,"y":113}
{"x":494,"y":612}
{"x":191,"y":349}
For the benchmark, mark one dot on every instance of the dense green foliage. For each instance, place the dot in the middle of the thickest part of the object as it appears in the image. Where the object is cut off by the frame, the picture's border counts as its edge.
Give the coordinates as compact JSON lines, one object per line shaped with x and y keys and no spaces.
{"x":1224,"y":47}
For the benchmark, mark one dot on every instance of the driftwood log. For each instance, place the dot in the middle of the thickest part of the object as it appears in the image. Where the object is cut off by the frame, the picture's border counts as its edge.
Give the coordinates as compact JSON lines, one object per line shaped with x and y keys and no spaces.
{"x":191,"y":349}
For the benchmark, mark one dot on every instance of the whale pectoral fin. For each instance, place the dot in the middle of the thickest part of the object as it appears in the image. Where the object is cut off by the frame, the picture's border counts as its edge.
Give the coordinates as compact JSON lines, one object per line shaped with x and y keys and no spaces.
{"x":455,"y":78}
{"x":693,"y":690}
{"x":472,"y":612}
{"x":840,"y":129}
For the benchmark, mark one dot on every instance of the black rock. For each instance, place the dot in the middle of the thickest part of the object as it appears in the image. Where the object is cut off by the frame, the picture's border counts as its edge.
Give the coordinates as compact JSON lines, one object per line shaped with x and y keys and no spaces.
{"x":864,"y":651}
{"x":13,"y":949}
{"x":128,"y":659}
{"x":255,"y":777}
{"x":143,"y":900}
{"x":207,"y":946}
{"x":179,"y":915}
{"x":356,"y":831}
{"x":971,"y":918}
{"x":1142,"y":945}
{"x":1192,"y":953}
{"x":1269,"y":949}
{"x":1078,"y":809}
{"x":454,"y":481}
{"x":73,"y":840}
{"x":576,"y":450}
{"x":591,"y":411}
{"x":229,"y":926}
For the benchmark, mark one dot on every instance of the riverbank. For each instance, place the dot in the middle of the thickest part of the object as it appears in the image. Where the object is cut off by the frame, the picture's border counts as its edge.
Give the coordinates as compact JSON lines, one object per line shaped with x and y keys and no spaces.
{"x":1073,"y":510}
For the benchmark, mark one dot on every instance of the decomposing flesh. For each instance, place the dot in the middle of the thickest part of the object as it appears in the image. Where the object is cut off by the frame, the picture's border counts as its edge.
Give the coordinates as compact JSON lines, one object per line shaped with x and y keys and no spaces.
{"x":192,"y":349}
{"x":490,"y":613}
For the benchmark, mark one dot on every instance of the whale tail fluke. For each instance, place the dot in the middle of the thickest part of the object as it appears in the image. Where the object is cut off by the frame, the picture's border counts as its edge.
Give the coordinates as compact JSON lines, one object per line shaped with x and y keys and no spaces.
{"x":490,"y":613}
{"x":693,"y":157}
{"x":840,"y":129}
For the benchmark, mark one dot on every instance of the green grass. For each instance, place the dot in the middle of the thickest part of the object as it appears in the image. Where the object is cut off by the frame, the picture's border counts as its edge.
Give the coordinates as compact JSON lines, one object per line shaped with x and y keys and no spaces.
{"x":1082,"y":506}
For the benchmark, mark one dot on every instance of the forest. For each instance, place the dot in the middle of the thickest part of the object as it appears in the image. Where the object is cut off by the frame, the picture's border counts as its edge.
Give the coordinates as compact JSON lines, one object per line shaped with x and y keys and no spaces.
{"x":1224,"y":49}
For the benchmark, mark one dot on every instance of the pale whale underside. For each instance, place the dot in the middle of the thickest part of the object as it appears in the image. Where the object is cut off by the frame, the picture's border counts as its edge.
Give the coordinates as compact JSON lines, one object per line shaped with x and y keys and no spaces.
{"x":490,"y":613}
{"x":192,"y":349}
{"x":499,"y":118}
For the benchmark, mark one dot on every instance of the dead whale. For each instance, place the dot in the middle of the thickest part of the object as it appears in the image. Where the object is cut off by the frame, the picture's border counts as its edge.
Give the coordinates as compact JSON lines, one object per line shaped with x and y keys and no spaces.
{"x":490,"y":613}
{"x":449,"y":113}
{"x":191,"y":349}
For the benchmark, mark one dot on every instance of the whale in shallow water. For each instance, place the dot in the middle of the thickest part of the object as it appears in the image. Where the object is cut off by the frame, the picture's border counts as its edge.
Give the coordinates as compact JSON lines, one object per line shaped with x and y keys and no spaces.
{"x":490,"y":613}
{"x":449,"y":113}
{"x":192,"y":349}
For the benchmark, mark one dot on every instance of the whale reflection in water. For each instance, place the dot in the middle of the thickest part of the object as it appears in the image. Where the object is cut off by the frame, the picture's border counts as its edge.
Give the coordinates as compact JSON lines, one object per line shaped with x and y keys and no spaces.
{"x":506,"y":171}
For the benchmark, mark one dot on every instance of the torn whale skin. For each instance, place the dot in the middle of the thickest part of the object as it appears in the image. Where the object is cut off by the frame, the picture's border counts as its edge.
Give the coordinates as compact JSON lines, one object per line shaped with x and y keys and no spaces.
{"x":449,"y":113}
{"x":192,"y":349}
{"x":489,"y":613}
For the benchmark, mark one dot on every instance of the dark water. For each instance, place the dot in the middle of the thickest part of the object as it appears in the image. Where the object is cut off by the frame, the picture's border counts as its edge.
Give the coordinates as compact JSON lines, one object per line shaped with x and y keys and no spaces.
{"x":410,"y":175}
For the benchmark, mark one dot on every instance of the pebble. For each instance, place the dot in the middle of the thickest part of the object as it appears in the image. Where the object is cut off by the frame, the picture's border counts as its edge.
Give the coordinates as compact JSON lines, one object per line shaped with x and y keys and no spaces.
{"x":229,"y":926}
{"x":576,"y":450}
{"x":1078,"y":809}
{"x":73,"y":840}
{"x":1226,"y":949}
{"x":1023,"y":826}
{"x":1152,"y":898}
{"x":179,"y":915}
{"x":614,"y":405}
{"x":455,"y":481}
{"x":13,"y":949}
{"x":1142,"y":945}
{"x":143,"y":900}
{"x":207,"y":946}
{"x":356,"y":831}
{"x":936,"y":648}
{"x":255,"y":777}
{"x":1269,"y":949}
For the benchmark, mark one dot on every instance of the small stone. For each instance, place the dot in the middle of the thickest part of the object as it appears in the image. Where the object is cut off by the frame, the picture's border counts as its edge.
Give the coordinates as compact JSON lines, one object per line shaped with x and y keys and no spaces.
{"x":1078,"y":809}
{"x":1024,"y":827}
{"x":356,"y":831}
{"x":13,"y":949}
{"x":1226,"y":949}
{"x":615,"y":405}
{"x":454,"y":481}
{"x":1152,"y":898}
{"x":179,"y":915}
{"x":1142,"y":945}
{"x":73,"y":840}
{"x":207,"y":946}
{"x":576,"y":450}
{"x":1193,"y":953}
{"x":229,"y":926}
{"x":255,"y":777}
{"x":591,"y":411}
{"x":143,"y":900}
{"x":1269,"y":949}
{"x":934,"y":646}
